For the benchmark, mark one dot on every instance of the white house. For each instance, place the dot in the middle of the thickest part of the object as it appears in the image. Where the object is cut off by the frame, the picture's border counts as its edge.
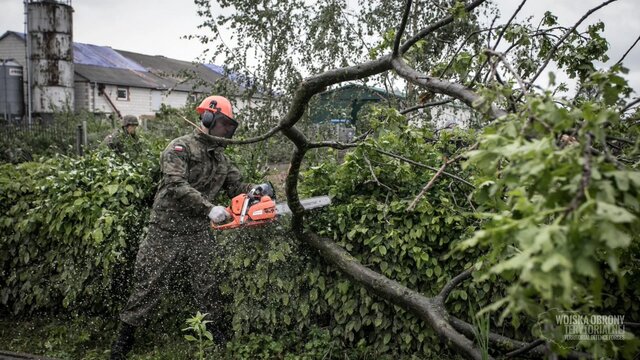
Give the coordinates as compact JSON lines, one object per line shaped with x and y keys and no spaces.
{"x":122,"y":82}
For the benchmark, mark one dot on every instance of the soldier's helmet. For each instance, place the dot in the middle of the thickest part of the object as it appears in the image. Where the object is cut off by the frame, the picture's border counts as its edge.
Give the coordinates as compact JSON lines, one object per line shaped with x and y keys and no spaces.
{"x":129,"y":120}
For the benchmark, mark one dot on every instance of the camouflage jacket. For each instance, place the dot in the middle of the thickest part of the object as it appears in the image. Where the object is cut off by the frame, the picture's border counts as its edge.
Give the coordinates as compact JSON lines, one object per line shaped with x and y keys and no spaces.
{"x":122,"y":142}
{"x":194,"y":169}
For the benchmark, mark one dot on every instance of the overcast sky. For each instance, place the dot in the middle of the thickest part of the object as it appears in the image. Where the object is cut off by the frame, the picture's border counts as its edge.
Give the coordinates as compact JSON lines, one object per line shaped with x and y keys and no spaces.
{"x":155,"y":27}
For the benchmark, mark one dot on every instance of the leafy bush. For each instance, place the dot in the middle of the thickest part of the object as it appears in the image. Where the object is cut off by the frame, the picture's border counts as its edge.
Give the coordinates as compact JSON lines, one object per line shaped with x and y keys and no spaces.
{"x":70,"y":227}
{"x":278,"y":285}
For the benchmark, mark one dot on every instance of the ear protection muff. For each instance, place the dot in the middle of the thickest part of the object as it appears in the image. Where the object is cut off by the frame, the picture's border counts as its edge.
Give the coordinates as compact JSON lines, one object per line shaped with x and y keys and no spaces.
{"x":208,"y":118}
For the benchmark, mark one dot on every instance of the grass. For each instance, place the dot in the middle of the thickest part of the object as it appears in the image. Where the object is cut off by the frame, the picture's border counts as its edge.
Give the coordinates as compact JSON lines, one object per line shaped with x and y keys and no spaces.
{"x":90,"y":338}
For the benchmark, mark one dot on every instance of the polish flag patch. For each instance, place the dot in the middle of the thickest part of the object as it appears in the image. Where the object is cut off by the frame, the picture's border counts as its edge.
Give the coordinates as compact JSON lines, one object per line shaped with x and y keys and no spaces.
{"x":178,"y":148}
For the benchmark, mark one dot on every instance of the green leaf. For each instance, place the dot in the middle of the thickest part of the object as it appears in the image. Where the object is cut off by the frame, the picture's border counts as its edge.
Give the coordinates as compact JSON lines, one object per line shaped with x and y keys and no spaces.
{"x":614,"y":213}
{"x":97,"y":236}
{"x":112,"y":189}
{"x":613,"y":237}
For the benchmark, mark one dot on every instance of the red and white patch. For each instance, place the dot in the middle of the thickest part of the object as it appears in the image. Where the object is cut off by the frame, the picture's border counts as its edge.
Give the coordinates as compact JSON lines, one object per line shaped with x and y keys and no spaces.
{"x":178,"y":148}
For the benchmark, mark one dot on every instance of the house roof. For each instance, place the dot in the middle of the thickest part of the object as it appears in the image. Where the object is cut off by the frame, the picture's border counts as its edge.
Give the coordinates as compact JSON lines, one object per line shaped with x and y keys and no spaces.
{"x":20,"y":35}
{"x":125,"y":77}
{"x":103,"y":64}
{"x":178,"y":74}
{"x":104,"y":56}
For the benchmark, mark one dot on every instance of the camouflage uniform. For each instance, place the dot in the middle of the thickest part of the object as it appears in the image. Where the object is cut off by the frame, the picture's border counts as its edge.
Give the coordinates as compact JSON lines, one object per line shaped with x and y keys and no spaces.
{"x":122,"y":142}
{"x":194,"y":169}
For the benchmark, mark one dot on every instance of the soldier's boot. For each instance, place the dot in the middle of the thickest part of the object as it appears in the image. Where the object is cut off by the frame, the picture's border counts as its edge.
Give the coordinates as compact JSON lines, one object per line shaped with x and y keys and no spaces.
{"x":124,"y":342}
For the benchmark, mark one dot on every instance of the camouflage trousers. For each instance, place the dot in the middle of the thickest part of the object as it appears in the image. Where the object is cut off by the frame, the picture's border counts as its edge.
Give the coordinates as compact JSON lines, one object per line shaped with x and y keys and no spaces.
{"x":165,"y":257}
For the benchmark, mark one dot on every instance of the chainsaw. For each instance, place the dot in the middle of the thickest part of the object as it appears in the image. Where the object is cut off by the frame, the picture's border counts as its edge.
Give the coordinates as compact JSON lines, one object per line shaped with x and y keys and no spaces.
{"x":253,"y":209}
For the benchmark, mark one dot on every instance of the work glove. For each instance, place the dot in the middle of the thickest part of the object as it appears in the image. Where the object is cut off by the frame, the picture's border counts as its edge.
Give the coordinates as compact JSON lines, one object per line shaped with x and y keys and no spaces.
{"x":219,"y":214}
{"x":264,"y":189}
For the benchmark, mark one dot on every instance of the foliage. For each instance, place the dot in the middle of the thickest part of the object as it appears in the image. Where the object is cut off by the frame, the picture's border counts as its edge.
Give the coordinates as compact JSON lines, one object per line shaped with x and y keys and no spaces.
{"x":198,"y":326}
{"x":68,"y":337}
{"x":278,"y":285}
{"x":44,"y":138}
{"x":70,"y":227}
{"x":561,"y":211}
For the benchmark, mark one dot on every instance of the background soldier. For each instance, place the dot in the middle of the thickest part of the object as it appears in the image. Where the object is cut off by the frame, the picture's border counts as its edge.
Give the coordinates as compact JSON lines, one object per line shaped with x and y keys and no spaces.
{"x":194,"y":168}
{"x":121,"y":139}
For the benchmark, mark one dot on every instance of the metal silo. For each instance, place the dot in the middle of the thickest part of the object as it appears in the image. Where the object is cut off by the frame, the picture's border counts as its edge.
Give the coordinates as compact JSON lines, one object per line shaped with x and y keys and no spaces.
{"x":11,"y":93}
{"x":50,"y":54}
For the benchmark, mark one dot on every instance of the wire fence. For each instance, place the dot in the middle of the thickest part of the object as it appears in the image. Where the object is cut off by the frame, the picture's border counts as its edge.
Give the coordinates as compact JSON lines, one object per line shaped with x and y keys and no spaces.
{"x":21,"y":141}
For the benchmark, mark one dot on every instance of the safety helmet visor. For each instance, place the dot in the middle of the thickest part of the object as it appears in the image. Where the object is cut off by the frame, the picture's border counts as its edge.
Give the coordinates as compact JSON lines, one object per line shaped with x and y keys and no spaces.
{"x":223,"y":126}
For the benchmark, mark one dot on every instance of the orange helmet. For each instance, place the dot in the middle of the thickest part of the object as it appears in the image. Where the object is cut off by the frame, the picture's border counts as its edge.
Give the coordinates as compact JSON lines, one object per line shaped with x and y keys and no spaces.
{"x":216,"y":104}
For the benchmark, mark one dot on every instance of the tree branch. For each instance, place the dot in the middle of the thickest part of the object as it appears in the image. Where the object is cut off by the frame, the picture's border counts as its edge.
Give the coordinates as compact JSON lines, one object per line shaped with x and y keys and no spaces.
{"x":628,"y":51}
{"x":425,"y":105}
{"x":508,"y":66}
{"x":446,"y":290}
{"x":427,"y":187}
{"x":506,"y":26}
{"x":586,"y":177}
{"x":458,"y":91}
{"x":524,"y":349}
{"x":407,"y":160}
{"x":403,"y":24}
{"x":375,"y":178}
{"x":630,"y":105}
{"x":435,"y":26}
{"x":562,"y":39}
{"x":425,"y":308}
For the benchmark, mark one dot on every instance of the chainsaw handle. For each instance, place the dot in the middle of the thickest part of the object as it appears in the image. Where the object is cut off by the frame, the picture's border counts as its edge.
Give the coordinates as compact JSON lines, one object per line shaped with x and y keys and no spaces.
{"x":234,"y":223}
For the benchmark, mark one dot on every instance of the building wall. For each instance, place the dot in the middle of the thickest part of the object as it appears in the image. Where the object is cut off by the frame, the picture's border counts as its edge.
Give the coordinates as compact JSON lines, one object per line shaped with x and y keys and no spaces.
{"x":13,"y":48}
{"x":82,"y":95}
{"x":175,"y":99}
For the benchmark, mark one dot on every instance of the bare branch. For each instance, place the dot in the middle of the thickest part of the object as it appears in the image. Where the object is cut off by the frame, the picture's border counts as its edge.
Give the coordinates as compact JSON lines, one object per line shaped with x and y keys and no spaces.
{"x":435,"y":26}
{"x":524,"y":349}
{"x":424,"y":166}
{"x":446,"y":290}
{"x":403,"y":24}
{"x":628,"y":51}
{"x":425,"y":105}
{"x":425,"y":308}
{"x":508,"y":66}
{"x":375,"y":178}
{"x":506,"y":26}
{"x":427,"y":187}
{"x":455,"y":90}
{"x":630,"y":105}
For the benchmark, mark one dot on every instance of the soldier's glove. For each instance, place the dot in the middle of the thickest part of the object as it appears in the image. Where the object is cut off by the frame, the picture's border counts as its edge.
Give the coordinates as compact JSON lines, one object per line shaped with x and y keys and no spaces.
{"x":265,"y":189}
{"x":218,"y":214}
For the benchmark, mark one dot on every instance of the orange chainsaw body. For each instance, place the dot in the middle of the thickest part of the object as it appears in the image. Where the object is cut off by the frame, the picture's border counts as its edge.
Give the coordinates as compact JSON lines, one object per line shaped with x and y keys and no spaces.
{"x":248,"y":211}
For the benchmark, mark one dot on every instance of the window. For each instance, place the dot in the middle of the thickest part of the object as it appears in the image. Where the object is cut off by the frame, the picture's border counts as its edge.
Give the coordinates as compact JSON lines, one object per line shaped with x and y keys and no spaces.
{"x":122,"y":93}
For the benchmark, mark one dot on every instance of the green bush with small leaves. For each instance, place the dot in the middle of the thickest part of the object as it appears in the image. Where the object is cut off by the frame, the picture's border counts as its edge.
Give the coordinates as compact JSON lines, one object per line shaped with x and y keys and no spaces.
{"x":70,"y":227}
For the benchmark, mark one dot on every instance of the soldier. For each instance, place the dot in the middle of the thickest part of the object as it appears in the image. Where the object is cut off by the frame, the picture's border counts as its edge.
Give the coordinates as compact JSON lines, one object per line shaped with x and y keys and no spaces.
{"x":125,"y":138}
{"x":194,"y":168}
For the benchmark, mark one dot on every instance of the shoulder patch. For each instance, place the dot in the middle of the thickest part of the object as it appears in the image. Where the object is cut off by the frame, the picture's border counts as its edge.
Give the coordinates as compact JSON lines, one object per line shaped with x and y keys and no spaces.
{"x":178,"y":148}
